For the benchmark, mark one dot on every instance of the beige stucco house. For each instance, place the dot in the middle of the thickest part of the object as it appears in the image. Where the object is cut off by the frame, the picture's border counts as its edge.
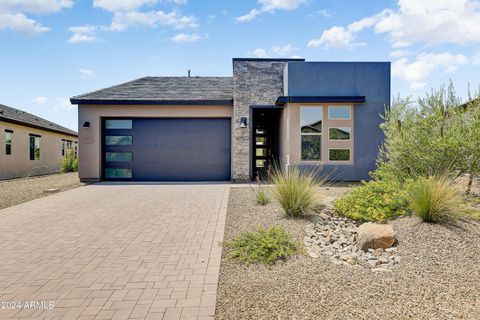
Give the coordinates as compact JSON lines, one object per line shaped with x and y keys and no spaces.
{"x":31,"y":145}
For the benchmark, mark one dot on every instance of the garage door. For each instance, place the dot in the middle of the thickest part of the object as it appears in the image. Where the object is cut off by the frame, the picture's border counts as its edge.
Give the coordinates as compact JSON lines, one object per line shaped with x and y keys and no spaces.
{"x":166,"y":149}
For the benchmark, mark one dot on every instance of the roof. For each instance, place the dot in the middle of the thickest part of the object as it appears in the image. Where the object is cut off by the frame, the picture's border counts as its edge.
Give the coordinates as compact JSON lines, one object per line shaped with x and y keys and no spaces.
{"x":281,"y":101}
{"x":16,"y":116}
{"x":164,"y":90}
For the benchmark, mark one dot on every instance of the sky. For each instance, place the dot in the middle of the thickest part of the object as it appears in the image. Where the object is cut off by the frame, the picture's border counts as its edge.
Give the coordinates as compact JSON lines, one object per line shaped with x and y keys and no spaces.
{"x":51,"y":50}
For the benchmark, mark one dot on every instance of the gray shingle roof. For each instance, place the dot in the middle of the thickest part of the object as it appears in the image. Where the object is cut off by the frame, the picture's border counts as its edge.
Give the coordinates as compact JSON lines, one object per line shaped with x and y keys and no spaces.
{"x":186,"y":90}
{"x":13,"y":115}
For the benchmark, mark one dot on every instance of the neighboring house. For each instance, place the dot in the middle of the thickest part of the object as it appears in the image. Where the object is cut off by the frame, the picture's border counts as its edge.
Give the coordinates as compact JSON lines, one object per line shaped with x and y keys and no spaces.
{"x":284,"y":111}
{"x":31,"y":145}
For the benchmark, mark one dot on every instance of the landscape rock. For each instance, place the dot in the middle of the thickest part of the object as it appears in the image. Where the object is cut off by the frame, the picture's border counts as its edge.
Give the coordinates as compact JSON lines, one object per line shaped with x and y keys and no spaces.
{"x":374,"y":236}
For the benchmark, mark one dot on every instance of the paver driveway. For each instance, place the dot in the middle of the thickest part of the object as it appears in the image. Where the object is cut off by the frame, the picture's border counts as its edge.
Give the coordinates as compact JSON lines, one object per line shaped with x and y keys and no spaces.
{"x":114,"y":252}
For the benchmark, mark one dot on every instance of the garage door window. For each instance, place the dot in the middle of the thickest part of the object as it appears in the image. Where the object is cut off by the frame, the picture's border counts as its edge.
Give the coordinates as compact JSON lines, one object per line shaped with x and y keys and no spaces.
{"x":118,"y":124}
{"x":118,"y":173}
{"x":118,"y":140}
{"x":118,"y":156}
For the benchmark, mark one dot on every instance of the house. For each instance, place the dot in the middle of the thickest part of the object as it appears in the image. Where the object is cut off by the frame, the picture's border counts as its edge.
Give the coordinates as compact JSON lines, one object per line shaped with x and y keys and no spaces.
{"x":31,"y":145}
{"x":284,"y":111}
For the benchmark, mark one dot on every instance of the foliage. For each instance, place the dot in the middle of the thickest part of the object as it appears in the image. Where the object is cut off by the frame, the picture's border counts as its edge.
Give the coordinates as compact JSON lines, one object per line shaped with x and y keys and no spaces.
{"x":264,"y":245}
{"x":434,"y":199}
{"x":69,"y":163}
{"x":436,"y":137}
{"x":376,"y":200}
{"x":295,"y":189}
{"x":262,"y":198}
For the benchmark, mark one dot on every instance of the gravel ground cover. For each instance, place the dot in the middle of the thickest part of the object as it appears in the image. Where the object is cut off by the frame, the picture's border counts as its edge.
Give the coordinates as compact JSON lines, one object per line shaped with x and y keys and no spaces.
{"x":16,"y":191}
{"x":437,"y":278}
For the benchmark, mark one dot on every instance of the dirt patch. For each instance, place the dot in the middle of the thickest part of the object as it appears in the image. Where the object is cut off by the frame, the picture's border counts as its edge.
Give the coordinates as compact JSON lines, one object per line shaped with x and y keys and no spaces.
{"x":437,"y":278}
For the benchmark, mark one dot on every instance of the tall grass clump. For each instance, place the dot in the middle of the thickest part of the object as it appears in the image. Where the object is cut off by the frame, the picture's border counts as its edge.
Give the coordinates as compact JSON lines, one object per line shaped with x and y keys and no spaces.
{"x":69,"y":163}
{"x":295,"y":189}
{"x":434,"y":199}
{"x":262,"y":198}
{"x":264,"y":245}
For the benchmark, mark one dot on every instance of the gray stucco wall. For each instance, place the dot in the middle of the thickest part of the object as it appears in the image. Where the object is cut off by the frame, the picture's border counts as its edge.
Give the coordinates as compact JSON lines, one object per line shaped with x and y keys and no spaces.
{"x":370,"y":79}
{"x":256,"y":82}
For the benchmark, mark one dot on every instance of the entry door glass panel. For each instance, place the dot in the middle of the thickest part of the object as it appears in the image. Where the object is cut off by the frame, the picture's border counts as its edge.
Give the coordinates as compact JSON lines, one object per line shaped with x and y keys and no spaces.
{"x":118,"y":140}
{"x":122,"y":173}
{"x":118,"y":156}
{"x":118,"y":124}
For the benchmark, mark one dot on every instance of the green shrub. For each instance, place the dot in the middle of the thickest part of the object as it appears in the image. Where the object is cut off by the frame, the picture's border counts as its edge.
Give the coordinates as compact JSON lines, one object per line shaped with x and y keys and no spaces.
{"x":295,"y":190}
{"x":434,"y":199}
{"x":69,"y":163}
{"x":376,"y":200}
{"x":262,"y":198}
{"x":264,"y":245}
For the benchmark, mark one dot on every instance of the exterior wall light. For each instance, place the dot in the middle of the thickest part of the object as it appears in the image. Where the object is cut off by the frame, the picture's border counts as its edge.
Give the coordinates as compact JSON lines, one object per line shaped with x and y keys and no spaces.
{"x":243,"y":122}
{"x":86,"y":124}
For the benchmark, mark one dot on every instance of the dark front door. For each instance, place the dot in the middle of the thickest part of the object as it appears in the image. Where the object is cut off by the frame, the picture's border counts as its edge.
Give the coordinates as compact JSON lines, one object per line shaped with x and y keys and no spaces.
{"x":265,"y":142}
{"x":167,"y":149}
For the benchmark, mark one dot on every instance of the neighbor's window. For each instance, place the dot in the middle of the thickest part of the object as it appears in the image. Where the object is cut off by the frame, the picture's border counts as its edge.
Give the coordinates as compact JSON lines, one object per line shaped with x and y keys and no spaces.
{"x":8,"y":142}
{"x":34,"y":147}
{"x":118,"y":140}
{"x":339,"y":112}
{"x":118,"y":124}
{"x":63,"y":147}
{"x":339,"y":133}
{"x":311,"y":119}
{"x":339,"y":154}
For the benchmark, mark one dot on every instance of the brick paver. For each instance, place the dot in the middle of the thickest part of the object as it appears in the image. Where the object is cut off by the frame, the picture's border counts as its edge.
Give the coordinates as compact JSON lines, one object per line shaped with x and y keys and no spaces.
{"x":107,"y":251}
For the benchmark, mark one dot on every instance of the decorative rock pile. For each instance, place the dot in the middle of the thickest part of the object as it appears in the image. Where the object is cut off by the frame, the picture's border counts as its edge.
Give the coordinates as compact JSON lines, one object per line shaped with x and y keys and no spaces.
{"x":342,"y":240}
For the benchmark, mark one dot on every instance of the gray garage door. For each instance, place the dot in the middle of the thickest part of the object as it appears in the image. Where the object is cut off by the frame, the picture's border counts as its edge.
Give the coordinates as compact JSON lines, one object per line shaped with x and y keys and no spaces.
{"x":166,"y":149}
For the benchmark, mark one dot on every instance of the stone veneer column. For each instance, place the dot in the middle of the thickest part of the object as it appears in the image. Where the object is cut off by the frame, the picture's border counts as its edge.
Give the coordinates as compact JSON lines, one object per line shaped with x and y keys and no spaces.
{"x":255,"y":82}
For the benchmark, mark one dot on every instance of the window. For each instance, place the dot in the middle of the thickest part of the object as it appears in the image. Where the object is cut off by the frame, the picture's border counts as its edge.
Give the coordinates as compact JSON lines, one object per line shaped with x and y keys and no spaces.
{"x":339,"y":112}
{"x":118,"y":140}
{"x":339,"y":133}
{"x":118,"y":173}
{"x":118,"y":156}
{"x":34,"y":147}
{"x":311,"y":131}
{"x":63,"y":147}
{"x":118,"y":124}
{"x":8,"y":142}
{"x":76,"y":149}
{"x":339,"y":154}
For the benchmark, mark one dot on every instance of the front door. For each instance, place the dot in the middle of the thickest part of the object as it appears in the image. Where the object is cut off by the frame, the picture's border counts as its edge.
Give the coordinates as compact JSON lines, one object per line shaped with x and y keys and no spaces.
{"x":262,"y":156}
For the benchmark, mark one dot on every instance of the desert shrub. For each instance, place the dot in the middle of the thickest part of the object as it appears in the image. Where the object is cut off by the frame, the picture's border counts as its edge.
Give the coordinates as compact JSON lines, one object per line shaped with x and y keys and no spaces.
{"x":376,"y":200}
{"x":434,"y":199}
{"x":295,"y":189}
{"x":262,"y":198}
{"x":264,"y":245}
{"x":69,"y":163}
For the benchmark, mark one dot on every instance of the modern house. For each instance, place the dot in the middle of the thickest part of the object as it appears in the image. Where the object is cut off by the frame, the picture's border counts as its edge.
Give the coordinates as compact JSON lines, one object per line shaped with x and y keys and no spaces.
{"x":31,"y":145}
{"x":284,"y":111}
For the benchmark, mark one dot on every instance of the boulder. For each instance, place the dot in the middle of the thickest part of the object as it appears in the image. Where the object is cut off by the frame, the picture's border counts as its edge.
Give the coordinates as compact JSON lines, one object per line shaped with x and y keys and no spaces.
{"x":375,"y":236}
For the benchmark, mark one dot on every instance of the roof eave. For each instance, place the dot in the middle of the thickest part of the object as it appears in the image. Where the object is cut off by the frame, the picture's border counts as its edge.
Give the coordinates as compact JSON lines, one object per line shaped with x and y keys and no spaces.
{"x":216,"y":102}
{"x":26,"y":124}
{"x":281,"y":101}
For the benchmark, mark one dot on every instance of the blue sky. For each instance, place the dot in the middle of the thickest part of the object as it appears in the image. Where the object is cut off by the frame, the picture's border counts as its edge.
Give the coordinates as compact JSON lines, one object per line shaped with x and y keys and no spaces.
{"x":51,"y":50}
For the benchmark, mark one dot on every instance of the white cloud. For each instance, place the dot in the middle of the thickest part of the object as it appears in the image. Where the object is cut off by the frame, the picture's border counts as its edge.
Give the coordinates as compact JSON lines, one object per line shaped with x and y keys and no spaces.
{"x":121,"y":5}
{"x":425,"y":22}
{"x":83,"y":34}
{"x":62,"y":104}
{"x":275,"y":51}
{"x":476,"y":58}
{"x":13,"y":14}
{"x":40,"y":100}
{"x":124,"y":20}
{"x":86,"y":73}
{"x":271,"y":6}
{"x":284,"y":50}
{"x":339,"y":37}
{"x":399,"y":53}
{"x":184,"y":37}
{"x":416,"y":72}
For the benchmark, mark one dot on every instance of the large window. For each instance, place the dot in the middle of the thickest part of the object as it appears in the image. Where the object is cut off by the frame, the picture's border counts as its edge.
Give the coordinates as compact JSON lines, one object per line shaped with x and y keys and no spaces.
{"x":34,"y":147}
{"x":311,"y":133}
{"x":339,"y":113}
{"x":339,"y":154}
{"x":8,"y":142}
